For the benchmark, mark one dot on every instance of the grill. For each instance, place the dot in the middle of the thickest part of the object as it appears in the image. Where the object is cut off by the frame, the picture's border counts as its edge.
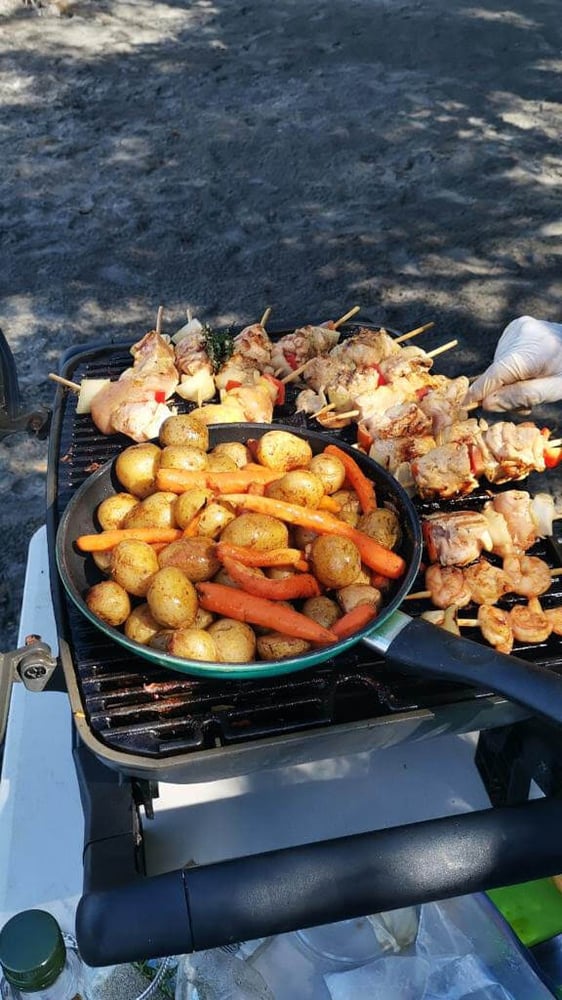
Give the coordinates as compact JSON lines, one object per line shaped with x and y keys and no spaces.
{"x":137,"y":724}
{"x":144,"y":713}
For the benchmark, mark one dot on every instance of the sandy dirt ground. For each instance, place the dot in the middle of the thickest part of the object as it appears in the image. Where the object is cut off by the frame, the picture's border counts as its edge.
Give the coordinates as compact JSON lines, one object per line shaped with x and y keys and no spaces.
{"x":225,"y":155}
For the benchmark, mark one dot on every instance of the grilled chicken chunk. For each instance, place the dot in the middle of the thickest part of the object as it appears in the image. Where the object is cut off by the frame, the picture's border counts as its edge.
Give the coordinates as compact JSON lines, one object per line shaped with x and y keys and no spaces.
{"x":457,"y":538}
{"x":133,"y":405}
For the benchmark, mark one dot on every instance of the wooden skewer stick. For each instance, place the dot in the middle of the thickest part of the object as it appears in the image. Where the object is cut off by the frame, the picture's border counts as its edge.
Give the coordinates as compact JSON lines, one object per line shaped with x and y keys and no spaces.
{"x":265,"y":316}
{"x":413,"y":333}
{"x":470,"y":406}
{"x":468,"y":623}
{"x":441,"y":350}
{"x":324,"y":409}
{"x":64,"y":381}
{"x":159,"y":316}
{"x":557,"y":571}
{"x":348,"y":315}
{"x":555,"y":443}
{"x":348,"y":415}
{"x":295,"y":374}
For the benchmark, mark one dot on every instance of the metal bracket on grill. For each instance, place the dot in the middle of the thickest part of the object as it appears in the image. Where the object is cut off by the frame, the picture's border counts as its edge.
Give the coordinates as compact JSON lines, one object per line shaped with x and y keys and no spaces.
{"x":33,"y":664}
{"x":12,"y":417}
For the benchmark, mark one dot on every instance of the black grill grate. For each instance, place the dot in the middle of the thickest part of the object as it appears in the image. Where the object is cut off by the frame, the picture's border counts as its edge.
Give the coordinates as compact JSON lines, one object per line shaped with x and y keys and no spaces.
{"x":135,"y":707}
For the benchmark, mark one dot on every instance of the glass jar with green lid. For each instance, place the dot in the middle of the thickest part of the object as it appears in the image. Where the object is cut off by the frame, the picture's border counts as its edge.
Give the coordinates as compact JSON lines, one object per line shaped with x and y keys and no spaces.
{"x":35,"y":960}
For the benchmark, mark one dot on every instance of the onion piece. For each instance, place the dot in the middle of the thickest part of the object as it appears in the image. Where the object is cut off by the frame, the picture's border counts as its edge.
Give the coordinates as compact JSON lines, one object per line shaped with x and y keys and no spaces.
{"x":89,"y":387}
{"x":197,"y":388}
{"x":543,"y":513}
{"x":193,"y":326}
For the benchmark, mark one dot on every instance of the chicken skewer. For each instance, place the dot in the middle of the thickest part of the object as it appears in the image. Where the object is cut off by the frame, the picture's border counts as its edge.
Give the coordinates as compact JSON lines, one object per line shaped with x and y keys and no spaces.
{"x":135,"y":404}
{"x":511,"y":522}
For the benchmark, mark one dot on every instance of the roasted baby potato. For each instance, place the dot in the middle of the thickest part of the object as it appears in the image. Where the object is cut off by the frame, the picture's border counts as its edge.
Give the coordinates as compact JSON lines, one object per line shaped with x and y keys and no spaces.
{"x":322,"y":610}
{"x":183,"y":456}
{"x":141,"y":626}
{"x":258,"y":531}
{"x":172,"y":598}
{"x":136,"y":469}
{"x":350,"y":508}
{"x":103,"y":561}
{"x":188,"y":504}
{"x":235,"y":641}
{"x":278,"y":646}
{"x":215,"y":518}
{"x":109,"y":601}
{"x":235,"y":450}
{"x":382,"y":525}
{"x":336,"y":561}
{"x":193,"y":644}
{"x":183,"y":428}
{"x":221,"y":463}
{"x":114,"y":509}
{"x":358,"y":593}
{"x":156,"y":511}
{"x":298,"y":486}
{"x":133,"y":565}
{"x":330,"y":470}
{"x":283,"y":450}
{"x":196,"y":557}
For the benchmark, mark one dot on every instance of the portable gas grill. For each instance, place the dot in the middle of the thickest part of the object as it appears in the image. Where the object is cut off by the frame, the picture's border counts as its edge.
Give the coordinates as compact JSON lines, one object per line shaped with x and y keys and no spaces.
{"x":137,"y":725}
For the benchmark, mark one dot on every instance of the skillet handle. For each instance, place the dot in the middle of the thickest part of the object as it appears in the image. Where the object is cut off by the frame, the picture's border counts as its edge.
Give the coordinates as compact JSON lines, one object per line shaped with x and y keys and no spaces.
{"x":426,"y":649}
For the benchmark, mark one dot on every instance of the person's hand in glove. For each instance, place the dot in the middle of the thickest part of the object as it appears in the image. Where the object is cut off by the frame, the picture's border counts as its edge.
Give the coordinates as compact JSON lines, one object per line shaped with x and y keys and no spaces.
{"x":527,"y":367}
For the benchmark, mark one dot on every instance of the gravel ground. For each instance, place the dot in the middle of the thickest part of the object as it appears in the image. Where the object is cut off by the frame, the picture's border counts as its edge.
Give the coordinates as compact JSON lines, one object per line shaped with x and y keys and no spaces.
{"x":398,"y":154}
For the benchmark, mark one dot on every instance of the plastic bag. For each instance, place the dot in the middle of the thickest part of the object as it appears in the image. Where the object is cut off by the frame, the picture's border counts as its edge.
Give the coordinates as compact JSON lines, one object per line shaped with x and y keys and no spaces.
{"x":396,"y":929}
{"x":463,"y":951}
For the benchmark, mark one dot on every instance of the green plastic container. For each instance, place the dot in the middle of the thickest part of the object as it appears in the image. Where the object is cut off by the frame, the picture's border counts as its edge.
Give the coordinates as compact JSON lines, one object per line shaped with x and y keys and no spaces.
{"x":533,"y":909}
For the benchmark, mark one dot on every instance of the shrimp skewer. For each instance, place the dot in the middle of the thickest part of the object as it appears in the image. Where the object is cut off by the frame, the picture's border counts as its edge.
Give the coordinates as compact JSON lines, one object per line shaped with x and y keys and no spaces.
{"x":447,"y":586}
{"x":529,"y":622}
{"x":527,"y":576}
{"x":496,"y":628}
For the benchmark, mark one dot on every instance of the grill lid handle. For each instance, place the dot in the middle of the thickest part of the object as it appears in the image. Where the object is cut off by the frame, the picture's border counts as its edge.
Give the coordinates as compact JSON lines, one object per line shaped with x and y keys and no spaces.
{"x":242,"y":899}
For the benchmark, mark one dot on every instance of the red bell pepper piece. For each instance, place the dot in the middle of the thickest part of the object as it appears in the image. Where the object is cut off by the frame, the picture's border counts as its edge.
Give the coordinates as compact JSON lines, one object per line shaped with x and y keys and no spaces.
{"x":364,"y":439}
{"x":279,"y":385}
{"x":552,"y":456}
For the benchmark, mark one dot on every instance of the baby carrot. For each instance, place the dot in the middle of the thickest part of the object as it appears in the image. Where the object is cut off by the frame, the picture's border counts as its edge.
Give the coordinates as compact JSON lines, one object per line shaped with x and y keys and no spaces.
{"x":191,"y":530}
{"x":356,"y":478}
{"x":255,"y":557}
{"x":290,"y":588}
{"x":180,"y":480}
{"x":233,"y":603}
{"x":357,"y":618}
{"x":375,"y":556}
{"x":328,"y":503}
{"x":109,"y":539}
{"x":241,"y":479}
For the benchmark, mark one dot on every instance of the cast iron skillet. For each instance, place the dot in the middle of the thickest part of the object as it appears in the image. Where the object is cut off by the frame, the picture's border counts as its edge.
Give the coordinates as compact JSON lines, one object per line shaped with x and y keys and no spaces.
{"x":413,"y":644}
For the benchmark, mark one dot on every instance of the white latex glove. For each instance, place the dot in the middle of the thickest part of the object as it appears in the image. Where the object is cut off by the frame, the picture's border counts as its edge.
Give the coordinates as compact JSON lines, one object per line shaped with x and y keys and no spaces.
{"x":527,"y":367}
